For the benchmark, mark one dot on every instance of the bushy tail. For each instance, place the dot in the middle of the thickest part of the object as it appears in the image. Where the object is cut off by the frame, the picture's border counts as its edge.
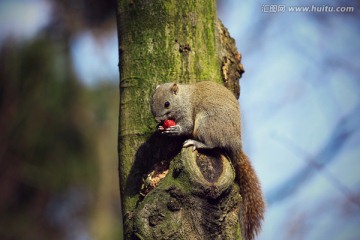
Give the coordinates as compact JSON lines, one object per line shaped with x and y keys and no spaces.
{"x":252,"y":207}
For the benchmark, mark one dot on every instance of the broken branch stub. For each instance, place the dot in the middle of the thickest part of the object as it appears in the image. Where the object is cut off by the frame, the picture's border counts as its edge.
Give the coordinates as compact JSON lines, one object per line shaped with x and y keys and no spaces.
{"x":196,"y":200}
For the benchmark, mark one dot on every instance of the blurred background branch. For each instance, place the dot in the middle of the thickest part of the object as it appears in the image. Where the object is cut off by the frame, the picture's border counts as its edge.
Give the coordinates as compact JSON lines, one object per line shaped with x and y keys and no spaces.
{"x":347,"y":126}
{"x":58,"y":162}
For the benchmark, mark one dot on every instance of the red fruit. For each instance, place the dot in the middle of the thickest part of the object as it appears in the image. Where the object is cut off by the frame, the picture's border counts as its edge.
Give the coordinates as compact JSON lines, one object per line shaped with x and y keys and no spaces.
{"x":168,"y":123}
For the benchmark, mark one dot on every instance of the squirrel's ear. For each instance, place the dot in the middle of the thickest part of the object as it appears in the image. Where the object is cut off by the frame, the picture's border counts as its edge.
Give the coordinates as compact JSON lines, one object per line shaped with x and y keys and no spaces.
{"x":174,"y":88}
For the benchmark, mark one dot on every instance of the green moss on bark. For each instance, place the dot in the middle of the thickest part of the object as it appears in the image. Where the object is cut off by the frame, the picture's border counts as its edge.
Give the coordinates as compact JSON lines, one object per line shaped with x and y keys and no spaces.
{"x":159,"y":41}
{"x":151,"y":36}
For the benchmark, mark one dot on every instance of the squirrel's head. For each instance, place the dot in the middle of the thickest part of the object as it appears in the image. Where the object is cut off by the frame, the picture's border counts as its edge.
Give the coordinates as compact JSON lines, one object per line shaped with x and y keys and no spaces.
{"x":165,"y":101}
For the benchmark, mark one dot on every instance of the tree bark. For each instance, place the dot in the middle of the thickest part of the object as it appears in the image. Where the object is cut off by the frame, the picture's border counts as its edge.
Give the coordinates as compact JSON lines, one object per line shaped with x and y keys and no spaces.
{"x":167,"y":192}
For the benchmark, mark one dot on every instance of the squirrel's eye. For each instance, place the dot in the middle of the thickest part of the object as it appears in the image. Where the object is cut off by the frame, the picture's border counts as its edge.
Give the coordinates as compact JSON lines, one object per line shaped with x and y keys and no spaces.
{"x":167,"y":104}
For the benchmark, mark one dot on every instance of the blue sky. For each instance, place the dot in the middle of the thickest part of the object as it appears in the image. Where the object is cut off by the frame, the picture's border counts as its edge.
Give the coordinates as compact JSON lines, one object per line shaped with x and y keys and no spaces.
{"x":22,"y":19}
{"x":96,"y":59}
{"x":300,"y":92}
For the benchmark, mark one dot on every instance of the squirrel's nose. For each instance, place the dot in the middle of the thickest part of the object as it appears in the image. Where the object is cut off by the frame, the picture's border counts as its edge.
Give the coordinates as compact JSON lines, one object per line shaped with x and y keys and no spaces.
{"x":158,"y":119}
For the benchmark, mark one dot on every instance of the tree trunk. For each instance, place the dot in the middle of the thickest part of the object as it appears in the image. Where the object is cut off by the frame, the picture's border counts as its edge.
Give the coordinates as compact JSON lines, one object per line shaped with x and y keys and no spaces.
{"x":167,"y":192}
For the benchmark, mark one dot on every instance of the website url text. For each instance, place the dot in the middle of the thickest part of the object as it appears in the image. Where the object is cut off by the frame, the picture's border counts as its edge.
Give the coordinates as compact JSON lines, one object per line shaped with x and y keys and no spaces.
{"x":277,"y":8}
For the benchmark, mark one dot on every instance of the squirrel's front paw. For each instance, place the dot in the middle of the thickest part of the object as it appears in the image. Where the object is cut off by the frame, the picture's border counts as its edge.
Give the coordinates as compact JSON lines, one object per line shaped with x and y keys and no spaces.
{"x":160,"y":128}
{"x":172,"y":131}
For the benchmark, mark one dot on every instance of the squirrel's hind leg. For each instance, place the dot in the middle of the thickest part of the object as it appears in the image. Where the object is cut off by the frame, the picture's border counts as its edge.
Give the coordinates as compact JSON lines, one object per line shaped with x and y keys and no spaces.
{"x":195,"y":144}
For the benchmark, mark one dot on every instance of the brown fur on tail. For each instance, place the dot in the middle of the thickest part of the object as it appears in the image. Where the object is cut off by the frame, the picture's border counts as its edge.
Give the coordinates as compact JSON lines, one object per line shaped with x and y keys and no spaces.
{"x":253,"y":204}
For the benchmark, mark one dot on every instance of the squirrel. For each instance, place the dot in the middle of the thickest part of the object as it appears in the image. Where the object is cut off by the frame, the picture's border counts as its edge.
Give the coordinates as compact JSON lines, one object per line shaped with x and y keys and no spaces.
{"x":208,"y":115}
